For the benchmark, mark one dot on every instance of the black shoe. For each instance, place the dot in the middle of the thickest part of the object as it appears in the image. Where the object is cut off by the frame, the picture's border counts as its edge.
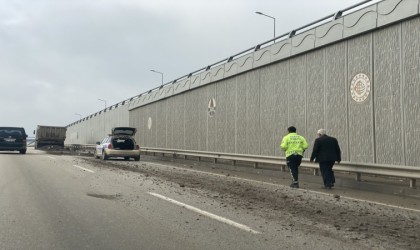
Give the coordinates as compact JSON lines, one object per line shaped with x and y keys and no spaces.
{"x":294,"y":185}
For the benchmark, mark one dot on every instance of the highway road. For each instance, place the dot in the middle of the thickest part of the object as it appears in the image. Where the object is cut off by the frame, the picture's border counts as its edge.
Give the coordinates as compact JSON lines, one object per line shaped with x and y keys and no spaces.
{"x":53,"y":201}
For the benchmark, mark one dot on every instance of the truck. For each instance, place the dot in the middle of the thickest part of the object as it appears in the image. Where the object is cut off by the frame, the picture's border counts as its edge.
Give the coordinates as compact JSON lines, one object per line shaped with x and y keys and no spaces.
{"x":49,"y":136}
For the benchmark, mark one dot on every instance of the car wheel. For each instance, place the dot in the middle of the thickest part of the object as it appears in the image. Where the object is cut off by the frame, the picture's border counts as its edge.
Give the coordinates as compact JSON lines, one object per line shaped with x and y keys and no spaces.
{"x":104,"y":156}
{"x":137,"y":158}
{"x":23,"y":151}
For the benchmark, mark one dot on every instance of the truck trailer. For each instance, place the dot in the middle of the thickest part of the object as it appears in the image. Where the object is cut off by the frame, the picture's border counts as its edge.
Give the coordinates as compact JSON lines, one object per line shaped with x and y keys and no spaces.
{"x":49,"y":136}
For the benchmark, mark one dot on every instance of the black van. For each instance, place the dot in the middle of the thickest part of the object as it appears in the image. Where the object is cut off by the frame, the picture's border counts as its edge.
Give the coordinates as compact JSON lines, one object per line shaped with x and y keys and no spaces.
{"x":13,"y":139}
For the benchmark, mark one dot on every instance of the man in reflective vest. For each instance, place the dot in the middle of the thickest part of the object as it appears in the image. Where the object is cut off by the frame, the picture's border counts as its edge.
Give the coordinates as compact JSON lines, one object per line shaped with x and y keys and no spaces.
{"x":294,"y":146}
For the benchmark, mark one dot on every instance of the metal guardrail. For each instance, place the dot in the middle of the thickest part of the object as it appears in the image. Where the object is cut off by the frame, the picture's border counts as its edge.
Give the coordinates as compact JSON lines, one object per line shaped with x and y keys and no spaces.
{"x":409,"y":172}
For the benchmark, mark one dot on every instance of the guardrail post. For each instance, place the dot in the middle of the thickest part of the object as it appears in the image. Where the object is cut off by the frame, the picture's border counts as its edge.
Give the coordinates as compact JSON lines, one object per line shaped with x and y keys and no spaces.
{"x":412,"y":183}
{"x":358,"y":177}
{"x":315,"y":171}
{"x":215,"y":161}
{"x":234,"y":162}
{"x":199,"y":158}
{"x":255,"y":164}
{"x":185,"y":157}
{"x":283,"y":168}
{"x":154,"y":154}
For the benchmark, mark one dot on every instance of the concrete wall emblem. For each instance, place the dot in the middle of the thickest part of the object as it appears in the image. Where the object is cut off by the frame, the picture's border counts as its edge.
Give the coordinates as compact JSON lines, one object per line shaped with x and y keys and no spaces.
{"x":149,"y":123}
{"x":360,"y":87}
{"x":212,"y":107}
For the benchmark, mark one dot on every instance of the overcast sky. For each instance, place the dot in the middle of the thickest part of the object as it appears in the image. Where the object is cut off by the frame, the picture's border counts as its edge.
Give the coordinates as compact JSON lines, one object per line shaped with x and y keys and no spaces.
{"x":58,"y":57}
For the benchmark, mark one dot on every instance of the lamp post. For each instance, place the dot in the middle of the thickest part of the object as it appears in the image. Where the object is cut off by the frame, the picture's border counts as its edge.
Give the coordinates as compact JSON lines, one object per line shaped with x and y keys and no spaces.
{"x":274,"y":19}
{"x":158,"y":73}
{"x":79,"y":115}
{"x":103,"y":101}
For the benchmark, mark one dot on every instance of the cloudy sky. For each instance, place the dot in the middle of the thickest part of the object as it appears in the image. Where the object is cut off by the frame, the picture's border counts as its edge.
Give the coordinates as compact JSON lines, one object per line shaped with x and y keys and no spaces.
{"x":58,"y":57}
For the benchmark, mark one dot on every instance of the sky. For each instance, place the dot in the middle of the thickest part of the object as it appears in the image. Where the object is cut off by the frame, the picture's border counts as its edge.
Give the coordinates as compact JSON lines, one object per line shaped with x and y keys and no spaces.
{"x":58,"y":57}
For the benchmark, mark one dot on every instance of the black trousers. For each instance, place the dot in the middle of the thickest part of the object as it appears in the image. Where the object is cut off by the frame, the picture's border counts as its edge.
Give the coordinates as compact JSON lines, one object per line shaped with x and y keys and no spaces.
{"x":327,"y":173}
{"x":293,"y":162}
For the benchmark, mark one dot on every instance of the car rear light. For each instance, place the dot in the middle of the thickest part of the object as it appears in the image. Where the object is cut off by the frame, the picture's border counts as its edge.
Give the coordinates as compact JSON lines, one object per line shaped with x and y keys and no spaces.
{"x":110,"y":146}
{"x":137,"y":147}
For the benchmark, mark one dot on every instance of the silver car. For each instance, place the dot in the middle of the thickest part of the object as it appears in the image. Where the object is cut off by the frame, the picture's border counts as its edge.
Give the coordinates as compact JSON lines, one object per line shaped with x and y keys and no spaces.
{"x":120,"y":143}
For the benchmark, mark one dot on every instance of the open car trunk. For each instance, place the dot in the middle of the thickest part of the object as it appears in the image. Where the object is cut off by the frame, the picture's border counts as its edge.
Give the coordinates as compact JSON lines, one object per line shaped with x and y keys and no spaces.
{"x":123,"y":143}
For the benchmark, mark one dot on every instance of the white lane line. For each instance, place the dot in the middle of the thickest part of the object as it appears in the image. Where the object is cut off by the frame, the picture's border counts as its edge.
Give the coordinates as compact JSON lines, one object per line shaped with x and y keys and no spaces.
{"x":52,"y":157}
{"x":82,"y":168}
{"x":307,"y":190}
{"x":210,"y":215}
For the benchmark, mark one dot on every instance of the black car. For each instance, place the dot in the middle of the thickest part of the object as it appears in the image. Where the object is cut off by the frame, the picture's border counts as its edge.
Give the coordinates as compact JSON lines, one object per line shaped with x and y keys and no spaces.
{"x":13,"y":139}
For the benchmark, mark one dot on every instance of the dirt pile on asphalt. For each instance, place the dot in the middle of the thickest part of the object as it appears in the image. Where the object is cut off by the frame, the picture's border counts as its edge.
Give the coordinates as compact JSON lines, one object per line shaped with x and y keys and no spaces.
{"x":377,"y":226}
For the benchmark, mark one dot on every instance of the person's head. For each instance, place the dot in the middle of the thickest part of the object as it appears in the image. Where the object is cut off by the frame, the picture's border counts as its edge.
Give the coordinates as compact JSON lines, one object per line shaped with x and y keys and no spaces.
{"x":321,"y":132}
{"x":291,"y":129}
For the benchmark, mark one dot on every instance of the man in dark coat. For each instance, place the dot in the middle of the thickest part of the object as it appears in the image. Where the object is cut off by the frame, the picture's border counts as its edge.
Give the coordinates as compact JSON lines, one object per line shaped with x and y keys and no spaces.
{"x":326,"y":152}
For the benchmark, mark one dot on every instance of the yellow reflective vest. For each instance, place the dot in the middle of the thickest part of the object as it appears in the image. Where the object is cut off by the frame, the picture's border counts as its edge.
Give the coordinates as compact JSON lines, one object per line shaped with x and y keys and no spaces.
{"x":294,"y":144}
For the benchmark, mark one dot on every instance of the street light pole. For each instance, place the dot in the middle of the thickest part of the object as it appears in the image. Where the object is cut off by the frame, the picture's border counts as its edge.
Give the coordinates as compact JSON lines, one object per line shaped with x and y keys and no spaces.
{"x":103,"y":101}
{"x":79,"y":115}
{"x":274,"y":19}
{"x":158,"y":73}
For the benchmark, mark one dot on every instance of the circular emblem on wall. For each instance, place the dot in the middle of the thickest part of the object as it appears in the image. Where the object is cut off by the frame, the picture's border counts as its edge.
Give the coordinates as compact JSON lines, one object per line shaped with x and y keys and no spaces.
{"x":149,"y":123}
{"x":360,"y":87}
{"x":212,"y":107}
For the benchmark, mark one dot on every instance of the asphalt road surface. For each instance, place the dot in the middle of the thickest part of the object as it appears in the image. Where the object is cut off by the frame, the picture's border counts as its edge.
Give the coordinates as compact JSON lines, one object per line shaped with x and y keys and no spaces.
{"x":74,"y":202}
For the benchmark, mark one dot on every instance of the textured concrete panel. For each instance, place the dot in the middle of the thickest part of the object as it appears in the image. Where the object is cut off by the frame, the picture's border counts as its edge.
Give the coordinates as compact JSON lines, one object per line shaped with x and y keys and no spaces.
{"x":360,"y":21}
{"x":394,"y":10}
{"x":241,"y":115}
{"x":303,"y":42}
{"x":411,"y":90}
{"x":203,"y":116}
{"x":231,"y":102}
{"x":179,"y":122}
{"x":205,"y":77}
{"x":281,"y":50}
{"x":336,"y":95}
{"x":297,"y":94}
{"x":167,"y":90}
{"x":360,"y":114}
{"x":316,"y":98}
{"x":160,"y":123}
{"x":281,"y":111}
{"x":262,"y":57}
{"x":245,"y":63}
{"x":192,"y":109}
{"x":181,"y":86}
{"x":231,"y":68}
{"x":329,"y":32}
{"x":387,"y":96}
{"x":220,"y":116}
{"x":253,"y":112}
{"x":268,"y":102}
{"x":217,"y":73}
{"x":170,"y":125}
{"x":195,"y":81}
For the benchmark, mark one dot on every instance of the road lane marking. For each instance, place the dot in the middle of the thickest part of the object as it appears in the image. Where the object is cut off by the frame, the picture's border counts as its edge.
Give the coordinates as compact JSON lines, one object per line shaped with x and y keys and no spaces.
{"x":307,"y":190}
{"x":210,"y":215}
{"x":82,"y":168}
{"x":52,"y":157}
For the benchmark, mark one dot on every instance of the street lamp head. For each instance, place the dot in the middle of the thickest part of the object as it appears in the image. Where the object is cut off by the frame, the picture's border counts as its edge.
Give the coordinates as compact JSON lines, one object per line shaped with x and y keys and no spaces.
{"x":259,"y":13}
